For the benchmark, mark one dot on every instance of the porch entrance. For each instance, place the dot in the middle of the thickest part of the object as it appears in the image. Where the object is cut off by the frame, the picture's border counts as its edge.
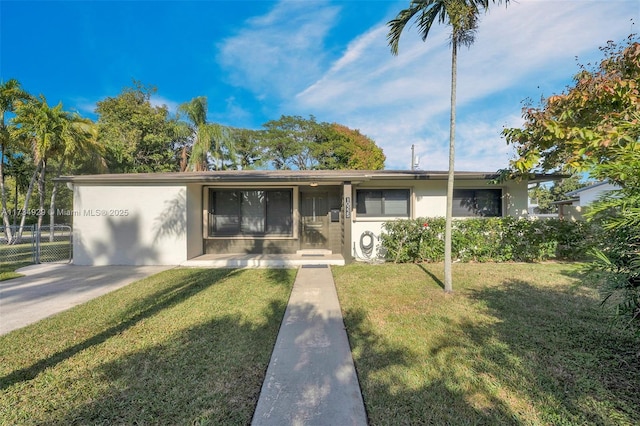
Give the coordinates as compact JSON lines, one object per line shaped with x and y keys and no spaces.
{"x":314,"y":218}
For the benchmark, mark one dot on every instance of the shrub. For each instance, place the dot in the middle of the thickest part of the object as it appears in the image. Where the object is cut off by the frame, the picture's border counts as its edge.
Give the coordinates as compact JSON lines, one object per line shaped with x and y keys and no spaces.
{"x":488,"y":239}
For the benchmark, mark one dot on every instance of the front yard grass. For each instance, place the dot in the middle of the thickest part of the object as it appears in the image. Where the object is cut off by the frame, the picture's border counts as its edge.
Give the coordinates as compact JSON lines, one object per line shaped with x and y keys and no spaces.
{"x":186,"y":346}
{"x":515,"y":344}
{"x":8,"y":270}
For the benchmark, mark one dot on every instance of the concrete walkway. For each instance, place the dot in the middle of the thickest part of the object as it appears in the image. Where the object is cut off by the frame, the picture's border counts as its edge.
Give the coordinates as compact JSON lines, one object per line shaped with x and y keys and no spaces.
{"x":311,"y":379}
{"x":47,"y":289}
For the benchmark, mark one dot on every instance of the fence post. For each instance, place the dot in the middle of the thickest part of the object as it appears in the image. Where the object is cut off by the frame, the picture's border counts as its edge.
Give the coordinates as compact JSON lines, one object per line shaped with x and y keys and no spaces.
{"x":37,"y":239}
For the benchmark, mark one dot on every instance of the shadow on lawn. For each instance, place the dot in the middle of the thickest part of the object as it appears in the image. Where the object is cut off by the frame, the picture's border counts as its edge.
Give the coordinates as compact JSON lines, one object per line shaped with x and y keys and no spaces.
{"x":538,"y":354}
{"x":390,"y":401}
{"x":208,"y":374}
{"x":565,"y":357}
{"x":211,"y":374}
{"x":144,"y":308}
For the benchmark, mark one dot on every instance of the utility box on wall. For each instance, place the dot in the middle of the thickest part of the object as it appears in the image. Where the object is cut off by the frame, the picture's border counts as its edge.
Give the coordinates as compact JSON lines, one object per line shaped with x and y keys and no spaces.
{"x":335,"y":215}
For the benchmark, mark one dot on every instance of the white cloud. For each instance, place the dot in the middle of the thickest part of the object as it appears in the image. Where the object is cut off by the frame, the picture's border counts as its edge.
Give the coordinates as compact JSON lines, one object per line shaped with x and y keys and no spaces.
{"x":521,"y":50}
{"x":280,"y":52}
{"x":159,"y":101}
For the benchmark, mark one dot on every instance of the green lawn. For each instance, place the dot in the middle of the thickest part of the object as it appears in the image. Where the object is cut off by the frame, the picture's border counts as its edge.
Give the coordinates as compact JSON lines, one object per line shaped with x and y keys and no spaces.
{"x":515,"y":344}
{"x":8,"y":270}
{"x":187,"y":346}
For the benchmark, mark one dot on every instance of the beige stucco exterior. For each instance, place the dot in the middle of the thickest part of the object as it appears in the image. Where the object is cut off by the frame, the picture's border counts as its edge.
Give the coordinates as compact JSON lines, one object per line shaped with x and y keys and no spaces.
{"x":162,"y":219}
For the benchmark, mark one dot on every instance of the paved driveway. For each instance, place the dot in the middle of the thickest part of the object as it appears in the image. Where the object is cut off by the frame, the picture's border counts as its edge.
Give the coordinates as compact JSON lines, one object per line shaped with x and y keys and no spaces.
{"x":47,"y":289}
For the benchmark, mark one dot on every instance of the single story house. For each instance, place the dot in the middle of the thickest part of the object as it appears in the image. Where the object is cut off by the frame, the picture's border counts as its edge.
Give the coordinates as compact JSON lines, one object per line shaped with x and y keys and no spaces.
{"x":578,"y":200}
{"x":180,"y":218}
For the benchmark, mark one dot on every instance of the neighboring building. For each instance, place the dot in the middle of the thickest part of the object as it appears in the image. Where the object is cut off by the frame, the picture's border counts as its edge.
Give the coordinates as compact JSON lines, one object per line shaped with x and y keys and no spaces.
{"x":574,"y":207}
{"x":178,"y":218}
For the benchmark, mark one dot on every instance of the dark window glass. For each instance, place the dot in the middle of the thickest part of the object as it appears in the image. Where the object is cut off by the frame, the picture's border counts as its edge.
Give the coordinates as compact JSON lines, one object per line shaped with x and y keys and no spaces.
{"x":477,"y":203}
{"x":382,"y":202}
{"x":244,"y":212}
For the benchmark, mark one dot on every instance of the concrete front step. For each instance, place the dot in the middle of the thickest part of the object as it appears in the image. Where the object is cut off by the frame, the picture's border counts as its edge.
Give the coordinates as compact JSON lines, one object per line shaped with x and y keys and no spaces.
{"x":264,"y":260}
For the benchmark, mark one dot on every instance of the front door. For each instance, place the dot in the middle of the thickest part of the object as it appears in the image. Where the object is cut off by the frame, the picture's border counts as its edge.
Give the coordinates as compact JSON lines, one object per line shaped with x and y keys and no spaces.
{"x":314,"y":216}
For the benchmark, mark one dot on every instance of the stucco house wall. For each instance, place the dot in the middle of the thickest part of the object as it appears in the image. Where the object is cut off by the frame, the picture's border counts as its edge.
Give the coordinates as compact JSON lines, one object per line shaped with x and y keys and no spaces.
{"x":428,"y":199}
{"x":163,"y":219}
{"x":132,"y":225}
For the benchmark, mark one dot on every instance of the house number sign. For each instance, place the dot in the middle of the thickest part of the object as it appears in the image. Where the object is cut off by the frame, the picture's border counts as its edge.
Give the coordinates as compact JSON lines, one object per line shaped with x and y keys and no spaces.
{"x":347,"y":207}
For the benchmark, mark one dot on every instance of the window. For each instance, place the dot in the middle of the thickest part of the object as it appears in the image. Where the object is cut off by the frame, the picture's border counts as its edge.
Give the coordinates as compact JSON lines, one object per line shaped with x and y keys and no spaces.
{"x":382,"y":202}
{"x":253,"y":213}
{"x":477,"y":202}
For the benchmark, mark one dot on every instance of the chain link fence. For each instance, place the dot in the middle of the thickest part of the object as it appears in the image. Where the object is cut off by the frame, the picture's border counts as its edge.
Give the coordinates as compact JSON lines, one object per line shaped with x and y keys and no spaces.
{"x":51,"y":244}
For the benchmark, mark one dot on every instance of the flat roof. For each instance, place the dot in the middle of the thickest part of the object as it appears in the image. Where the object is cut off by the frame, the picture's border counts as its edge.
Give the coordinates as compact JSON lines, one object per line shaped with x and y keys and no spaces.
{"x":320,"y":176}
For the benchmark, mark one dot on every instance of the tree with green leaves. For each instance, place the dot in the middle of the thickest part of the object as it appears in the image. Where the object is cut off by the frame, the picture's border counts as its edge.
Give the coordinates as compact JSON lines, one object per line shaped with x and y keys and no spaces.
{"x":594,"y":127}
{"x":137,"y":136}
{"x":462,"y":16}
{"x":207,"y":139}
{"x":349,"y":149}
{"x":596,"y":121}
{"x":292,"y":140}
{"x":249,"y":150}
{"x":11,"y":95}
{"x":49,"y":133}
{"x":295,"y":142}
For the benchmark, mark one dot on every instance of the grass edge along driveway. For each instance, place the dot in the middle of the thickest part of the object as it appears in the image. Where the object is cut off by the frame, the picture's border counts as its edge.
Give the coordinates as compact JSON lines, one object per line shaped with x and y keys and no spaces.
{"x":515,"y":344}
{"x":186,"y":346}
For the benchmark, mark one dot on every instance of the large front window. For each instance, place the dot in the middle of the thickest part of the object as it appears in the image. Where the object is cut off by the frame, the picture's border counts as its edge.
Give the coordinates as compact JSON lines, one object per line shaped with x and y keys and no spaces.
{"x":477,"y":202}
{"x":235,"y":212}
{"x":382,"y":202}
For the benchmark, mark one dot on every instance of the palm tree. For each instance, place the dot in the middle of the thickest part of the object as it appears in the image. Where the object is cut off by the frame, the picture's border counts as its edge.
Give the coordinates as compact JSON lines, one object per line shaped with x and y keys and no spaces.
{"x":462,"y":16}
{"x":79,"y":146}
{"x":51,"y":133}
{"x":207,"y":137}
{"x":11,"y":95}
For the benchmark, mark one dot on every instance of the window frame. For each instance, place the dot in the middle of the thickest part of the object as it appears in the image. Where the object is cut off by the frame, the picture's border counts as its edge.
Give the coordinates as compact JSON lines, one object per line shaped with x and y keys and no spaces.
{"x":475,"y":212}
{"x":211,"y":231}
{"x":382,"y":211}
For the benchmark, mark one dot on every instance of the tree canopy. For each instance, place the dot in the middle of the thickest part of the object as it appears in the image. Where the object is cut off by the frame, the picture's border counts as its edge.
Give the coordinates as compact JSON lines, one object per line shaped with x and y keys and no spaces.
{"x":594,"y":123}
{"x":295,"y":142}
{"x":137,"y":136}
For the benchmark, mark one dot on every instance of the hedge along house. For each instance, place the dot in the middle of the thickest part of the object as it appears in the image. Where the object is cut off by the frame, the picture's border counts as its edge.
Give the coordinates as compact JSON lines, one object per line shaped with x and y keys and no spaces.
{"x":263,"y":218}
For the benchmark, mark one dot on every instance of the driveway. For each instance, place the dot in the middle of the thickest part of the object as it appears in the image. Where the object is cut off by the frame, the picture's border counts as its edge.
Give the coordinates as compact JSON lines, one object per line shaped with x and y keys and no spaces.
{"x":47,"y":289}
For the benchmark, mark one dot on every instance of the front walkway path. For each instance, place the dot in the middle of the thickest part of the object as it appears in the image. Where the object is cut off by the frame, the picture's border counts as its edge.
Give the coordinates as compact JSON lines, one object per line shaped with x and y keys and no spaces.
{"x":311,"y":379}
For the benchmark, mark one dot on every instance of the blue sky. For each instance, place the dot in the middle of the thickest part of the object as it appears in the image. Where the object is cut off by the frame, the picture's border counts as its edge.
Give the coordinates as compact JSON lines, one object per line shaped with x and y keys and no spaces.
{"x":258,"y":60}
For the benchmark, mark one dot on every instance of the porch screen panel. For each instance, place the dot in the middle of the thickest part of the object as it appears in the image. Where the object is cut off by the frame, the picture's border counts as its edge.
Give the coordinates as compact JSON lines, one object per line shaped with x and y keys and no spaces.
{"x":225,"y":212}
{"x":252,"y":212}
{"x":279,"y":212}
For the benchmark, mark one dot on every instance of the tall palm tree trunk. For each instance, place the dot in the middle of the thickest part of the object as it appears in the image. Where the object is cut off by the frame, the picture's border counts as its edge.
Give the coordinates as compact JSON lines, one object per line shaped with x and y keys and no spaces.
{"x":27,"y":198}
{"x":5,"y":213}
{"x":448,"y":280}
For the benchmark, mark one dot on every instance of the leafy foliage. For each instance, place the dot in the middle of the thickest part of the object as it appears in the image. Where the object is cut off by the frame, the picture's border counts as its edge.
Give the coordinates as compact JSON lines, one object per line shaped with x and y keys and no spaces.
{"x":489,"y":239}
{"x":138,"y":137}
{"x":294,"y":142}
{"x":350,"y":149}
{"x":595,"y":121}
{"x":595,"y":127}
{"x":617,"y":261}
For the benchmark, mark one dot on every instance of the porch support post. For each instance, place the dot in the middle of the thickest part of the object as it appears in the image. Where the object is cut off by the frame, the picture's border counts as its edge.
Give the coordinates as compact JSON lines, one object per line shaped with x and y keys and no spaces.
{"x":347,"y":212}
